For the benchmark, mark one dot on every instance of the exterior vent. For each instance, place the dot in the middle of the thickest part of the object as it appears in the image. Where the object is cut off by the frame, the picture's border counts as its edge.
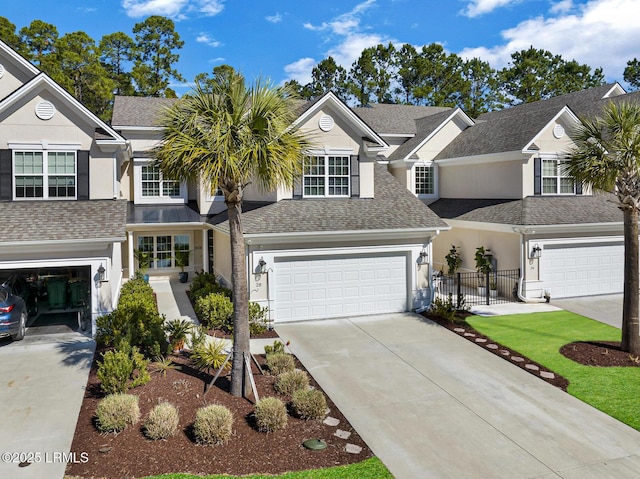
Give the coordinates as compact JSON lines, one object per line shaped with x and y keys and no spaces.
{"x":326,"y":123}
{"x":45,"y":110}
{"x":1,"y":70}
{"x":558,"y":131}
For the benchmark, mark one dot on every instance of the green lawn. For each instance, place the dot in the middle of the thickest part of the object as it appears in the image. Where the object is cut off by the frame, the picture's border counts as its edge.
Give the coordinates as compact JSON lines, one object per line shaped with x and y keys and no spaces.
{"x":367,"y":469}
{"x":539,"y":336}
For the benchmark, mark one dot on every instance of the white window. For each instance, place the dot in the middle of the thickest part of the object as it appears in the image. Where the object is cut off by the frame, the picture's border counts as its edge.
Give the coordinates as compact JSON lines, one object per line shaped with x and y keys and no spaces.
{"x":162,"y":248}
{"x":424,"y":180}
{"x":554,"y":182}
{"x":151,"y":187}
{"x":326,"y":175}
{"x":44,"y":174}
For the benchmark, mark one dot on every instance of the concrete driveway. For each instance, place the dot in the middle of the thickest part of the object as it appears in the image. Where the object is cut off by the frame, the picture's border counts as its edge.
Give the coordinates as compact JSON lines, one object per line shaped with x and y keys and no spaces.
{"x":42,"y":383}
{"x":432,"y":405}
{"x":606,"y":308}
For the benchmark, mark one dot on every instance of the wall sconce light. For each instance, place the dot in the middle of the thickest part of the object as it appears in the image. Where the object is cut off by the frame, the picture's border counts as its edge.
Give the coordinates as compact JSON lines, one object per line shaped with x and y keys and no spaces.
{"x":536,"y":252}
{"x":101,"y":275}
{"x":424,"y":258}
{"x":262,"y":266}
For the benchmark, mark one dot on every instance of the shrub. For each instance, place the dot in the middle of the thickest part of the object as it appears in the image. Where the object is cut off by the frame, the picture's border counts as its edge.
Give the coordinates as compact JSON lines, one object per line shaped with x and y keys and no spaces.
{"x":213,"y":425}
{"x":279,"y":363}
{"x":444,"y":308}
{"x":206,"y":283}
{"x":162,"y":422}
{"x":215,"y":311}
{"x":178,"y":329}
{"x":270,"y":414}
{"x":257,"y":319}
{"x":292,"y":381}
{"x":278,"y":347}
{"x":209,"y":355}
{"x":117,"y":411}
{"x":164,"y":364}
{"x":135,"y":321}
{"x":120,"y":370}
{"x":309,"y":404}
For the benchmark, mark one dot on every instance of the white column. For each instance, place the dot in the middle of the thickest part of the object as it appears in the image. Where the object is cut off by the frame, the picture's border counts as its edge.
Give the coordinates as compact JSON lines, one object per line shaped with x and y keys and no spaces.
{"x":205,"y":250}
{"x":130,"y":253}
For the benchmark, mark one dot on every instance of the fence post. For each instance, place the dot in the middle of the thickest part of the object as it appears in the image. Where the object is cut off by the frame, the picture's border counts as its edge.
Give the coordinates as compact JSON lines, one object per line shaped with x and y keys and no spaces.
{"x":458,"y":291}
{"x":486,"y":287}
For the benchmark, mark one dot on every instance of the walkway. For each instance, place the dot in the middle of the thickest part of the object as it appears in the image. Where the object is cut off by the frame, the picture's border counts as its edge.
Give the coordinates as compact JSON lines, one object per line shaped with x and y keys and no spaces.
{"x":432,"y":405}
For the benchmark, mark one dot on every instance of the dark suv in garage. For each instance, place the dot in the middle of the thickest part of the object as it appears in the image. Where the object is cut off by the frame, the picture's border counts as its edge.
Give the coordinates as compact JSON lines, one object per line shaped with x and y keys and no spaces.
{"x":17,"y":301}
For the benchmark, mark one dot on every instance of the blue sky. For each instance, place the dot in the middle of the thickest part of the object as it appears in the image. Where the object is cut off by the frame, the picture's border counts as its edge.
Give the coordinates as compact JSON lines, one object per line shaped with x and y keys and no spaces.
{"x":284,"y":39}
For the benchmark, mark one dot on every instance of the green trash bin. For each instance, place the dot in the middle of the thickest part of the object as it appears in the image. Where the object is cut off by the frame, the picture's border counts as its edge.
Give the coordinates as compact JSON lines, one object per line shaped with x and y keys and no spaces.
{"x":57,"y":293}
{"x":78,"y":292}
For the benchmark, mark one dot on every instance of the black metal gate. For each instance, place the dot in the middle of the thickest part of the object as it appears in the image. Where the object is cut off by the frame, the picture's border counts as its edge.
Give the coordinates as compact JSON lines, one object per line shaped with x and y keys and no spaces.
{"x":469,"y":289}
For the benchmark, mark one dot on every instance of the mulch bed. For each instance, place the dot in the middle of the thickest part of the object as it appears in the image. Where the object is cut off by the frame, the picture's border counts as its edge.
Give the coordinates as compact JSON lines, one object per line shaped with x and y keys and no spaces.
{"x":599,"y":353}
{"x":129,"y":454}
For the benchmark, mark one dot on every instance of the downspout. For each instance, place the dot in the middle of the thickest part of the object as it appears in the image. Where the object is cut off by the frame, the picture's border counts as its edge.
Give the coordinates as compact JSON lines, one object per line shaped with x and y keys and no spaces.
{"x":522,"y":266}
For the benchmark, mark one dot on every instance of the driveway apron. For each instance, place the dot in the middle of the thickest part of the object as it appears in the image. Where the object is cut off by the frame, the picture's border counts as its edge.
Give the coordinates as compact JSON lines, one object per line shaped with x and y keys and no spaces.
{"x":431,"y":404}
{"x":42,"y":383}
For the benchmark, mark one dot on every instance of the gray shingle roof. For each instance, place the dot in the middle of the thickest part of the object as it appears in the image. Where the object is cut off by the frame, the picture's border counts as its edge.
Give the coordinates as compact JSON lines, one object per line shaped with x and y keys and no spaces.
{"x":393,"y":207}
{"x":138,"y":110}
{"x":63,"y":220}
{"x":533,"y":210}
{"x":396,"y":119}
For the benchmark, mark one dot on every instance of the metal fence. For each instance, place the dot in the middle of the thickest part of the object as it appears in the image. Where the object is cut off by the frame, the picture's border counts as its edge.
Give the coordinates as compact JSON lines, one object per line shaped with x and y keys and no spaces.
{"x":469,"y":289}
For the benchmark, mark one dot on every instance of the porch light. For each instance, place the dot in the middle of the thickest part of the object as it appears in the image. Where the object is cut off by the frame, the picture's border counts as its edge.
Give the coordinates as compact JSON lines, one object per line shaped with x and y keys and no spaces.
{"x":424,"y":258}
{"x":262,"y":266}
{"x":101,"y":274}
{"x":536,"y":252}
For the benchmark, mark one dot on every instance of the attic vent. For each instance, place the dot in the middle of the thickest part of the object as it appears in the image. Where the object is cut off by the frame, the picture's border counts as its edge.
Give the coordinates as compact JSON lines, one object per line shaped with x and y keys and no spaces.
{"x":45,"y":110}
{"x":1,"y":70}
{"x":325,"y":123}
{"x":558,"y":131}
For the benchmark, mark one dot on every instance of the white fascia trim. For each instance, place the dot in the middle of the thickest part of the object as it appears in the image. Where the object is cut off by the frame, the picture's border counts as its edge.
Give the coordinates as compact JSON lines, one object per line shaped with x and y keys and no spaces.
{"x":59,"y":245}
{"x":617,"y":88}
{"x":61,"y":93}
{"x":573,"y":228}
{"x":573,"y":241}
{"x":564,"y":111}
{"x":332,"y":236}
{"x":137,"y":227}
{"x":137,"y":128}
{"x":484,"y":159}
{"x":347,"y":112}
{"x":19,"y":59}
{"x":43,"y":145}
{"x":397,"y":135}
{"x":481,"y":225}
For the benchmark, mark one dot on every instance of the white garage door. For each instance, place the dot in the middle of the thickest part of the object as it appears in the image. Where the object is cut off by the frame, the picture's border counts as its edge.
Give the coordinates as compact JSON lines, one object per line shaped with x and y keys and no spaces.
{"x":335,"y":286}
{"x":583,"y":270}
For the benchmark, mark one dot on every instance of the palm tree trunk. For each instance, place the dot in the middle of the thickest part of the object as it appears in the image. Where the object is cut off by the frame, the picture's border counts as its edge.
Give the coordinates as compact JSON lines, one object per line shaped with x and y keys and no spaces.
{"x":630,"y":310}
{"x":240,"y":384}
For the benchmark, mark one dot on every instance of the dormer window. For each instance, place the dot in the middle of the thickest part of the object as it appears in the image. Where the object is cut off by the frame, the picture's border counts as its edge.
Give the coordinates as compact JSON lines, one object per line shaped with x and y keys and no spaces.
{"x":326,"y":175}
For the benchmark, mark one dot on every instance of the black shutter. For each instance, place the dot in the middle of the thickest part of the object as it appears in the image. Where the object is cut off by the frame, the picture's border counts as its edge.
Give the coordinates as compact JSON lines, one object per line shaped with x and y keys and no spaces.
{"x":355,"y":177}
{"x":297,"y":188}
{"x":6,"y":177}
{"x":83,"y":175}
{"x":578,"y":188}
{"x":537,"y":176}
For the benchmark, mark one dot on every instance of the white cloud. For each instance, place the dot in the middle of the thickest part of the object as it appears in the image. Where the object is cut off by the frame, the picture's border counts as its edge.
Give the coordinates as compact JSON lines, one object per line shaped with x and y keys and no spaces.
{"x":596,"y":34}
{"x":345,"y":23}
{"x":476,"y":8}
{"x":175,"y":9}
{"x":208,"y":40}
{"x":277,"y":18}
{"x":563,"y":6}
{"x":300,"y":70}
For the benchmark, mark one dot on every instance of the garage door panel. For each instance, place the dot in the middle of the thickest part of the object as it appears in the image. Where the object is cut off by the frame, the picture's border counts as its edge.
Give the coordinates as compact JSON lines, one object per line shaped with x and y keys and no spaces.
{"x":579,"y":270}
{"x":339,"y":286}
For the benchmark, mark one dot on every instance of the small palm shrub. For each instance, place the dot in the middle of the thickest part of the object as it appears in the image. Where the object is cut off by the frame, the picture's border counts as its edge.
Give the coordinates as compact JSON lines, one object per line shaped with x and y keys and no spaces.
{"x":213,"y":425}
{"x":120,"y":370}
{"x":270,"y":414}
{"x":309,"y":404}
{"x":117,"y":411}
{"x":215,"y":310}
{"x":279,"y":363}
{"x":209,"y":355}
{"x":292,"y":381}
{"x":162,"y":422}
{"x":277,"y":348}
{"x":164,"y":364}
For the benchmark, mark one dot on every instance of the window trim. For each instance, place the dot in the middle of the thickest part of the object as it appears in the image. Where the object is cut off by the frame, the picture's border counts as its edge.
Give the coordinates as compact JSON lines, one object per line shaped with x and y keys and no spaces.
{"x":138,"y":198}
{"x":173,"y":235}
{"x":325,"y":155}
{"x":559,"y":176}
{"x":434,"y":168}
{"x":45,"y":175}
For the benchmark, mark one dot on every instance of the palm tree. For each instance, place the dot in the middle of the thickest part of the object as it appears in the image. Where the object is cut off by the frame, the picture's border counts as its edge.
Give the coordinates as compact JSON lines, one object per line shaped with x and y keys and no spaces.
{"x":230,"y":134}
{"x":606,"y":156}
